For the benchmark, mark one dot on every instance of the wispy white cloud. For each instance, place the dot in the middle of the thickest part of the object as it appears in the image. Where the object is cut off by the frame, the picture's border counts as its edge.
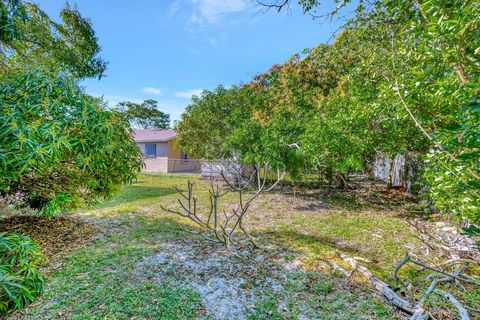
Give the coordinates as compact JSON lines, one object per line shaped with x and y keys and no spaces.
{"x":152,"y":90}
{"x":187,"y":94}
{"x":211,"y":11}
{"x":174,"y":7}
{"x":208,"y":20}
{"x":214,"y":10}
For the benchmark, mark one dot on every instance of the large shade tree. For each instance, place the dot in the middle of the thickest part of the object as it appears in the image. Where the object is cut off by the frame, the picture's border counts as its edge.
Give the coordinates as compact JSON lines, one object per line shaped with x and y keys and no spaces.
{"x":59,"y":147}
{"x":401,"y":77}
{"x":209,"y":120}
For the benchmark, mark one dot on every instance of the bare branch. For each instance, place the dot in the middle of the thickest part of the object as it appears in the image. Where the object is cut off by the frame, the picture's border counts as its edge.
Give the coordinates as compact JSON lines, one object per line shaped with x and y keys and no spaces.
{"x":173,"y":211}
{"x":454,"y":276}
{"x":399,"y":265}
{"x":217,"y":221}
{"x":239,"y":188}
{"x":381,"y":286}
{"x":461,"y":309}
{"x":277,"y":5}
{"x":280,"y":178}
{"x":180,"y":192}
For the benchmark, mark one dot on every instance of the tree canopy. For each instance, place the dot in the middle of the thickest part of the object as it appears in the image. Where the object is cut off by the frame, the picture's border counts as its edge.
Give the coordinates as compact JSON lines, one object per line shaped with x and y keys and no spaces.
{"x":59,"y":147}
{"x":30,"y":39}
{"x":402,"y":77}
{"x":145,"y":115}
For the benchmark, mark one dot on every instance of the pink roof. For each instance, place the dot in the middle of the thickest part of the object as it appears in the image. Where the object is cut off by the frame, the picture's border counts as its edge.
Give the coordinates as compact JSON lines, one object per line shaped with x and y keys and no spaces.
{"x":153,"y":135}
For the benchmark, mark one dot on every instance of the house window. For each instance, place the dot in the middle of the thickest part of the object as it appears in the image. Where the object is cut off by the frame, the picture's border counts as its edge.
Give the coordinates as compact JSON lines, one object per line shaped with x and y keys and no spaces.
{"x":183,"y":155}
{"x":150,"y":150}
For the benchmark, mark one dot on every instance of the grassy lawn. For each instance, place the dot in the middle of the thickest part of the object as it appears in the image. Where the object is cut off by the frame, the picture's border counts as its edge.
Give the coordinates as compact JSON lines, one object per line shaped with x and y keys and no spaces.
{"x":141,"y":266}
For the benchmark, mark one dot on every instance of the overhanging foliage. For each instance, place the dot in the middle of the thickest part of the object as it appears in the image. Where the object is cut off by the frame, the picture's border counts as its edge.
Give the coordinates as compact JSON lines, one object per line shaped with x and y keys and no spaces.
{"x":401,"y":77}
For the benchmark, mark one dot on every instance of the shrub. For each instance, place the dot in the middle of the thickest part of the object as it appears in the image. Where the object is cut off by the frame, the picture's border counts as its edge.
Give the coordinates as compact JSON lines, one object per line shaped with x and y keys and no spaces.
{"x":20,"y":280}
{"x":60,"y":148}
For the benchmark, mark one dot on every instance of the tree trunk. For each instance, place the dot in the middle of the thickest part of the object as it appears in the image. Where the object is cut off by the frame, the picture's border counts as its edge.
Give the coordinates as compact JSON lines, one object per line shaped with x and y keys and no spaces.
{"x":390,"y":175}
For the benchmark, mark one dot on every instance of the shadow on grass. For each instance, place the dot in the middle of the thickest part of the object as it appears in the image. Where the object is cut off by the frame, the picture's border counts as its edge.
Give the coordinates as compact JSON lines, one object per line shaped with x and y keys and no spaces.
{"x":350,"y":199}
{"x":137,"y":192}
{"x":324,"y":248}
{"x":298,"y":240}
{"x":171,"y":227}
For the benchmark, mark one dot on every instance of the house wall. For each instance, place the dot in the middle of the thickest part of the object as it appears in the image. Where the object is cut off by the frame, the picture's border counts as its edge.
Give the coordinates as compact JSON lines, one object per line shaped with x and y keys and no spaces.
{"x":158,"y":164}
{"x":176,"y":164}
{"x":168,"y":159}
{"x":173,"y":153}
{"x":162,"y":148}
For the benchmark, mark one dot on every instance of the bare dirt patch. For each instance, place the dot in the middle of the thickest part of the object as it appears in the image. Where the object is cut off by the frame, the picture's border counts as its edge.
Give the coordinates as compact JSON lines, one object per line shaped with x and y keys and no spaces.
{"x":228,"y":281}
{"x":241,"y":283}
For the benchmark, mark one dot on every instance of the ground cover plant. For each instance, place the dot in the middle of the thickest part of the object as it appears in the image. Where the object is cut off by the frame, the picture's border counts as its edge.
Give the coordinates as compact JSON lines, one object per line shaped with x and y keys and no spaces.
{"x":142,"y":265}
{"x":20,"y":279}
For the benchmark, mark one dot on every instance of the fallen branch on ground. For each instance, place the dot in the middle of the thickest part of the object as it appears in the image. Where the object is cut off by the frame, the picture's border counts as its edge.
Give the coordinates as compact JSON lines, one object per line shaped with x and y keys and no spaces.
{"x":456,"y":276}
{"x":461,"y":309}
{"x":381,"y":286}
{"x":418,"y":311}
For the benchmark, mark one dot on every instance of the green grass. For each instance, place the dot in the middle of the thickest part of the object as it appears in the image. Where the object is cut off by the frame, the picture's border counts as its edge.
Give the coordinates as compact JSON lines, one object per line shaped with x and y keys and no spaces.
{"x":374,"y":235}
{"x":98,"y":282}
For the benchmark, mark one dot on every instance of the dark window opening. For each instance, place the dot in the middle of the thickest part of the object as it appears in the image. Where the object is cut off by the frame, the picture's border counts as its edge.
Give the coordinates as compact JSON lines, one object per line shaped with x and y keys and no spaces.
{"x":183,"y":155}
{"x":151,"y":150}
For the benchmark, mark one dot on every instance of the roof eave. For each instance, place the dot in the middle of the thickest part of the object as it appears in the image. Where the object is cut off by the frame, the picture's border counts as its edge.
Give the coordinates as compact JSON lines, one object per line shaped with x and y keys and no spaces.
{"x":155,"y":140}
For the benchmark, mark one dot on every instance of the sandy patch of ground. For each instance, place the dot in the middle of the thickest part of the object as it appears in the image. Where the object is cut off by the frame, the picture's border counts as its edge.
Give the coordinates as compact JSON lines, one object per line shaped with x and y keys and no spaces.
{"x":228,"y":281}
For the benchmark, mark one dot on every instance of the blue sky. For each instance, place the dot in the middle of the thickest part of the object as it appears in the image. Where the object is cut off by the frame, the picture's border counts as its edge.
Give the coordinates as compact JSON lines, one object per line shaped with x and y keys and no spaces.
{"x":168,"y":50}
